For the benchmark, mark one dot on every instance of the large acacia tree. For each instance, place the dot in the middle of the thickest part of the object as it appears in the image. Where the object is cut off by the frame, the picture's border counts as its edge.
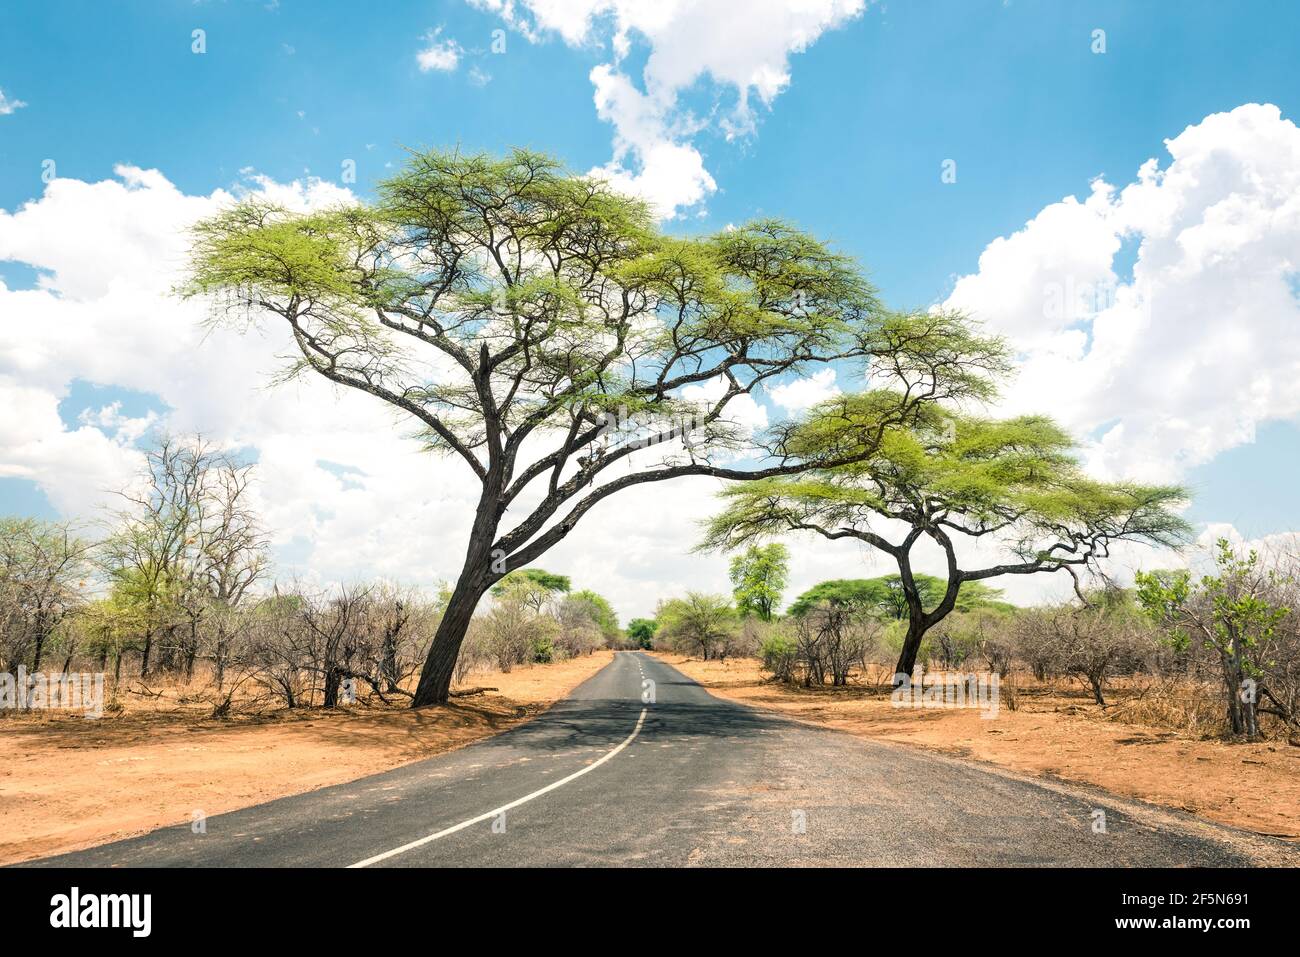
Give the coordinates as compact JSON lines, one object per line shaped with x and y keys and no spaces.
{"x":539,"y":327}
{"x":945,"y":478}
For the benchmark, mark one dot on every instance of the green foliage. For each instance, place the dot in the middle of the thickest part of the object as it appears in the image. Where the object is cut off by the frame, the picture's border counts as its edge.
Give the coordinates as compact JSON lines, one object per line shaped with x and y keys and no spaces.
{"x":959,"y":473}
{"x":601,"y":611}
{"x":1232,"y":612}
{"x":516,"y":251}
{"x":539,"y":577}
{"x":698,"y":623}
{"x":543,"y":649}
{"x":641,"y":631}
{"x":866,"y":593}
{"x":779,"y":653}
{"x":759,"y":576}
{"x":1240,"y":616}
{"x":883,"y":596}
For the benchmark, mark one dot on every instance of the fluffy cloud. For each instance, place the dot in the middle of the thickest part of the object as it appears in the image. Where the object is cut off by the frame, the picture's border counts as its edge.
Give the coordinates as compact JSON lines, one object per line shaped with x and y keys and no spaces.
{"x":800,"y":394}
{"x":745,"y":56}
{"x":8,"y":105}
{"x":440,"y":54}
{"x":1161,"y":370}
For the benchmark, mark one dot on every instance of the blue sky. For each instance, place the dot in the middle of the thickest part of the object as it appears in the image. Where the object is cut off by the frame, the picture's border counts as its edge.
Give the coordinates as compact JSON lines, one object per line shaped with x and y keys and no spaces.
{"x":850,"y":148}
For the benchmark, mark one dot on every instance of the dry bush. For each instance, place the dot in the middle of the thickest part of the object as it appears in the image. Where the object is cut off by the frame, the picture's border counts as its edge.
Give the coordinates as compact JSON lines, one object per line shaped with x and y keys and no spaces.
{"x":826,"y":641}
{"x":577,"y":630}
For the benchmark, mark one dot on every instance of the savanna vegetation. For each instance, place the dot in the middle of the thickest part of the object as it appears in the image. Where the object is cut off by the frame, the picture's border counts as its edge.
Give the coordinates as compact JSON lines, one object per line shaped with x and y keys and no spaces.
{"x":175,"y":588}
{"x":1216,"y":654}
{"x":542,"y":329}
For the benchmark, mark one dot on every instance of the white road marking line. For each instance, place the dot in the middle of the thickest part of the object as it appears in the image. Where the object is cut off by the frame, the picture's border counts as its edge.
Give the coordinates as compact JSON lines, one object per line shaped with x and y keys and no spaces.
{"x":488,"y":815}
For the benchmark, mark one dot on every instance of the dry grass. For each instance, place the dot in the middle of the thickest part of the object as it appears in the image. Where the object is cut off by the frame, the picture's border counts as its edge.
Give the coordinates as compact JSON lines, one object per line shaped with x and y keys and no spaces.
{"x":67,"y":782}
{"x":1057,"y":732}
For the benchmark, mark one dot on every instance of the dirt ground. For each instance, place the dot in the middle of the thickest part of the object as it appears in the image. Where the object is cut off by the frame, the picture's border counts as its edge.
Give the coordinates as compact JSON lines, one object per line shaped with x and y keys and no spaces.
{"x":68,"y":783}
{"x":1057,"y":733}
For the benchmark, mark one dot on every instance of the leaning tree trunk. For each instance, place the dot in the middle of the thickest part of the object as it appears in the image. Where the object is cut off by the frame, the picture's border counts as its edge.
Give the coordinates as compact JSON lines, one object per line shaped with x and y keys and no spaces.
{"x":916,"y":628}
{"x":481,"y":569}
{"x":440,"y":664}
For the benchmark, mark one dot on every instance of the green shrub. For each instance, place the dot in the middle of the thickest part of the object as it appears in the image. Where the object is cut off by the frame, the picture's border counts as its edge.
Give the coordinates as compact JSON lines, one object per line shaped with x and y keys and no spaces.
{"x":779,"y":654}
{"x":543,"y":650}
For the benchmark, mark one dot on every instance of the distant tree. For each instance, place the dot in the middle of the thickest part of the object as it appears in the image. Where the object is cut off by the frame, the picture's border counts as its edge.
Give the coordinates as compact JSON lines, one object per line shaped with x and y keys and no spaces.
{"x":948,"y":476}
{"x":602,"y":612}
{"x":514,"y":632}
{"x":864,"y":593}
{"x":544,"y":585}
{"x":886,"y":597}
{"x":698,"y":623}
{"x":43,"y":567}
{"x":758,"y":577}
{"x":641,"y":631}
{"x":187,"y":542}
{"x":539,"y":327}
{"x":580,"y":633}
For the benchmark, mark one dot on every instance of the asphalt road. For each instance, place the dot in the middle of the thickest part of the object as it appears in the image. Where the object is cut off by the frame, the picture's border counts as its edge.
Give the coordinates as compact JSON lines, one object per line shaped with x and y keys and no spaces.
{"x":603,"y":779}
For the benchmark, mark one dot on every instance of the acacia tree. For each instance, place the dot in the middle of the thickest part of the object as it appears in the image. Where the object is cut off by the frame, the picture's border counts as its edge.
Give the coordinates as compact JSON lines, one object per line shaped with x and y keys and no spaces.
{"x":884,"y":596}
{"x":541,"y":329}
{"x":542,"y":585}
{"x":641,"y":632}
{"x":950,"y":477}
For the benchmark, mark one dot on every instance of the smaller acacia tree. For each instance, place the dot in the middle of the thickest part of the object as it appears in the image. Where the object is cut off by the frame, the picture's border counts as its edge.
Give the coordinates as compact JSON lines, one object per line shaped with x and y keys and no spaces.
{"x":542,"y":585}
{"x":950,"y":477}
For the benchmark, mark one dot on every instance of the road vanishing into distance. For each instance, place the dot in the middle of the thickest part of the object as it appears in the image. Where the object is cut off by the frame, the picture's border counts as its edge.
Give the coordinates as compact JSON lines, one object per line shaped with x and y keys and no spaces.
{"x":603,"y":779}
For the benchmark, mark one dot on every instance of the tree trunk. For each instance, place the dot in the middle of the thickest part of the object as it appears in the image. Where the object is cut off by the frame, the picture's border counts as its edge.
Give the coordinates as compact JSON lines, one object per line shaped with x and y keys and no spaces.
{"x":333,"y":677}
{"x":483,"y":567}
{"x":911,"y":645}
{"x":389,"y":666}
{"x":1096,"y":681}
{"x":440,"y":664}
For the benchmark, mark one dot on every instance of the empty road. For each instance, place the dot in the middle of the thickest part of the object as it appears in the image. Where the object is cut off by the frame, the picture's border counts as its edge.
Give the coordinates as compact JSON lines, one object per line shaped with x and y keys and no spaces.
{"x":603,"y":779}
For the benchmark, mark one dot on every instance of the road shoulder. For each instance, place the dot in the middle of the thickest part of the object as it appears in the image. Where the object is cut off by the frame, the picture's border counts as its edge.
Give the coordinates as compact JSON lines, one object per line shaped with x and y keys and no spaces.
{"x":1252,"y":789}
{"x":68,"y":783}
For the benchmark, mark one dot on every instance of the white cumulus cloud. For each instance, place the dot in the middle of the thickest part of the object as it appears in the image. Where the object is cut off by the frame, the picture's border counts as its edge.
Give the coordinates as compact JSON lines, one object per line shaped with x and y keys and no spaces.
{"x":8,"y":104}
{"x":1162,"y":369}
{"x":744,"y":52}
{"x":440,"y":54}
{"x":803,"y":393}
